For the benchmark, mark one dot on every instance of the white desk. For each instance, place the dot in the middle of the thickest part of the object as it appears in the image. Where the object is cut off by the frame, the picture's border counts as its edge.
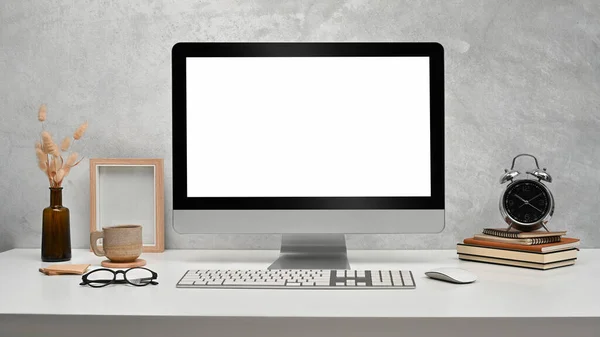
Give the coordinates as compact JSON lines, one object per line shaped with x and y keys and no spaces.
{"x":504,"y":301}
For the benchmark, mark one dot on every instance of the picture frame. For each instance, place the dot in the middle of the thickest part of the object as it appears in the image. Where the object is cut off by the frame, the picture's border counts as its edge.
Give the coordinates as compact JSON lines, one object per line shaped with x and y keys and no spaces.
{"x":129,"y":191}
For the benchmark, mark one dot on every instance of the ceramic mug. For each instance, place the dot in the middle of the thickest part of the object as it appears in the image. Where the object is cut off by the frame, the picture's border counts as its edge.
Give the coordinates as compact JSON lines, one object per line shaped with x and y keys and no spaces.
{"x":121,"y":243}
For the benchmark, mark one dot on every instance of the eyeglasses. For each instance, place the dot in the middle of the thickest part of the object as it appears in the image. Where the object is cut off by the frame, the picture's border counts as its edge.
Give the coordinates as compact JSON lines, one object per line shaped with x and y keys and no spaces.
{"x":138,"y":276}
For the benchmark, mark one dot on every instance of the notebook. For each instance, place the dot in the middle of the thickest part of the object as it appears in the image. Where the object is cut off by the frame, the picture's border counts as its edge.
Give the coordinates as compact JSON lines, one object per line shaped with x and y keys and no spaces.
{"x":515,"y":234}
{"x":532,"y":241}
{"x":564,"y":244}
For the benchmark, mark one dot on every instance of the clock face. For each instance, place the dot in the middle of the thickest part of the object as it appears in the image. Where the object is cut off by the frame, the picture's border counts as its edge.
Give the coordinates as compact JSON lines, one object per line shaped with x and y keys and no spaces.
{"x":526,"y":201}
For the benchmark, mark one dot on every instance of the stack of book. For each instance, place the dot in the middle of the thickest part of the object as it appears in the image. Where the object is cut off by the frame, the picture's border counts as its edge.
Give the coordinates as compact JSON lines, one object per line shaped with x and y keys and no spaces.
{"x":538,"y":249}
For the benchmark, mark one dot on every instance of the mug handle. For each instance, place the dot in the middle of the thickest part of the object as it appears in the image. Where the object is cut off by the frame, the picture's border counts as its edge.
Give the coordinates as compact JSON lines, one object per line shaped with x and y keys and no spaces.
{"x":94,"y":236}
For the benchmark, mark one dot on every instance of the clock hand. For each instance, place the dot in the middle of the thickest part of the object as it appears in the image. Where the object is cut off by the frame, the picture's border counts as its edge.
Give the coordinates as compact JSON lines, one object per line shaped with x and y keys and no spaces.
{"x":523,"y":200}
{"x":537,"y":209}
{"x":534,"y":197}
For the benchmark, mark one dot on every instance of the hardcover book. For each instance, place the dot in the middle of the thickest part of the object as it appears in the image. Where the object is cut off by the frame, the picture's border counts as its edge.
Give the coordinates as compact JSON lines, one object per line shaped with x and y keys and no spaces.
{"x":542,"y":266}
{"x":563,"y":244}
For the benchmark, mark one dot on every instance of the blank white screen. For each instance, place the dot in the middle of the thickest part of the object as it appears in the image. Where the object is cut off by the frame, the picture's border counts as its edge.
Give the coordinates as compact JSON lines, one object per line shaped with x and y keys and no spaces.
{"x":308,"y":127}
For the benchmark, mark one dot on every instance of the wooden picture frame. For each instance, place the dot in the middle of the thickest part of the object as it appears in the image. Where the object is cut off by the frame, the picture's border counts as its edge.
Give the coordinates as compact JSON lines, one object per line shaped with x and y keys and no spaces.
{"x":129,"y":191}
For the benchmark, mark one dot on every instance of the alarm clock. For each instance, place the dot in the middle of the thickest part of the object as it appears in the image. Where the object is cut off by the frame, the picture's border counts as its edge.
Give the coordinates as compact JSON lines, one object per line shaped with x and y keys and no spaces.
{"x":527,"y":203}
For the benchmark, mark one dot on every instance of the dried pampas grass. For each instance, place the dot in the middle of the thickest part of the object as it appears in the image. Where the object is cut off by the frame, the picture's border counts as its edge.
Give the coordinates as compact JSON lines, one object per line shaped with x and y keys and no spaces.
{"x":50,"y":157}
{"x":42,"y":165}
{"x":41,"y":156}
{"x":80,"y":131}
{"x":48,"y":144}
{"x":67,"y":169}
{"x":53,"y":166}
{"x":60,"y":174}
{"x":42,"y":113}
{"x":64,"y":146}
{"x":72,"y":159}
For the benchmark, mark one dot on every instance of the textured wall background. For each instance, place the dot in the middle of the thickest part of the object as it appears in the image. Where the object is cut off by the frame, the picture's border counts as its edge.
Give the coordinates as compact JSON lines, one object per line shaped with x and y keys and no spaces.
{"x":521,"y":76}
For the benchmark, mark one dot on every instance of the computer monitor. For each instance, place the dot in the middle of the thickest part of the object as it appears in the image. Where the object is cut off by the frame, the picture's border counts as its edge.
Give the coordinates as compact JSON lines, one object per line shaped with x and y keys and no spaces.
{"x":310,"y":140}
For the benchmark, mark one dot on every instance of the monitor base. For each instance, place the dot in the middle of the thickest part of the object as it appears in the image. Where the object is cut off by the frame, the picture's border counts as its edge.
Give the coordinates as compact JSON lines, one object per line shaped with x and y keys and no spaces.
{"x":312,"y":251}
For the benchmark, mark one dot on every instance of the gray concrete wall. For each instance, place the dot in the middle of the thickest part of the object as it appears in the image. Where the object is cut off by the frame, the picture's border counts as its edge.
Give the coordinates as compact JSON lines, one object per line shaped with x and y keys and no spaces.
{"x":521,"y":76}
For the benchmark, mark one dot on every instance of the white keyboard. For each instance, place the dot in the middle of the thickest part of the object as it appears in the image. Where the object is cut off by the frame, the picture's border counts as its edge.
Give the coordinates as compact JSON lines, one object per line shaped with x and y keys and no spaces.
{"x":298,"y":278}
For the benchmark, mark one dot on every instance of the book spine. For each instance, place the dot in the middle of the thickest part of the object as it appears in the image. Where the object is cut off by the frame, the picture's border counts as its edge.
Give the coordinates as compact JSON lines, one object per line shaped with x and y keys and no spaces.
{"x":541,"y":241}
{"x":501,"y":234}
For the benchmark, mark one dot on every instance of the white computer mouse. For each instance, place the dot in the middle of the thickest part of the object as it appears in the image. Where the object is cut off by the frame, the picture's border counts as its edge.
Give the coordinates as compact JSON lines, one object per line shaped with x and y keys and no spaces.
{"x":454,"y":275}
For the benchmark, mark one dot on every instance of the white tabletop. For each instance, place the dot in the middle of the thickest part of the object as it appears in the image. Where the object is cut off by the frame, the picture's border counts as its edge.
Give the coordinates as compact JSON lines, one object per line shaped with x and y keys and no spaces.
{"x":499,"y":292}
{"x":24,"y":290}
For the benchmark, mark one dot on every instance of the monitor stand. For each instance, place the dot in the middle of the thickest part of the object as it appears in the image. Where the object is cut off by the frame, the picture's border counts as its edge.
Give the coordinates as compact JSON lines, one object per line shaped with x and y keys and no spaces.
{"x":312,"y":251}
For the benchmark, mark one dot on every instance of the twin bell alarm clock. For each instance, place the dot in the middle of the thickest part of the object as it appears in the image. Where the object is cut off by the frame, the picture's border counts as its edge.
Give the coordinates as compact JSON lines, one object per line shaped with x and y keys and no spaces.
{"x":526,"y":204}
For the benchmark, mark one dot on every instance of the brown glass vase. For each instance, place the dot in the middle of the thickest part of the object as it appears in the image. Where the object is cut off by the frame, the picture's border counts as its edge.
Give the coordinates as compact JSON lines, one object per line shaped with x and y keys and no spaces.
{"x":56,"y":231}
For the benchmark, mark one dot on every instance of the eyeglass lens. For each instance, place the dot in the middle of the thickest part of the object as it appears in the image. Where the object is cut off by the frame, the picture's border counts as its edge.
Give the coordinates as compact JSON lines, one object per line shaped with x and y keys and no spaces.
{"x":138,"y":276}
{"x":100,"y":277}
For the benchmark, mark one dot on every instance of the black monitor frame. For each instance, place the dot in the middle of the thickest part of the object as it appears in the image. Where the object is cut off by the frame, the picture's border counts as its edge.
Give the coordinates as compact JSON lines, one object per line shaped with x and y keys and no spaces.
{"x":181,"y":51}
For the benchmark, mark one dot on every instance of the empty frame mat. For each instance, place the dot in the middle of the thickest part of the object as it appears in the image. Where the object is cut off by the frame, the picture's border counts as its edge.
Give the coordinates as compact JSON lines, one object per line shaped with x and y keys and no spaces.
{"x":129,"y":191}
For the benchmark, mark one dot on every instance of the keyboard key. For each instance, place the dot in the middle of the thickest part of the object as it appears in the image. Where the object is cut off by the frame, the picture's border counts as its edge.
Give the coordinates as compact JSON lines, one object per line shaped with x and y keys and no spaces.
{"x":213,"y":283}
{"x":408,"y":280}
{"x":186,"y":282}
{"x":396,"y":278}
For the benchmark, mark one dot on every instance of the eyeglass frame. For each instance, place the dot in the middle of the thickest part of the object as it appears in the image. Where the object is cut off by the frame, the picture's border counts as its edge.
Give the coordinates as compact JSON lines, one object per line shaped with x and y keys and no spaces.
{"x":86,"y":282}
